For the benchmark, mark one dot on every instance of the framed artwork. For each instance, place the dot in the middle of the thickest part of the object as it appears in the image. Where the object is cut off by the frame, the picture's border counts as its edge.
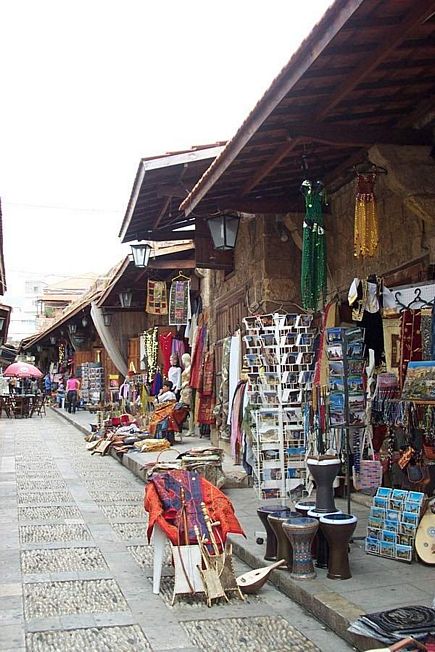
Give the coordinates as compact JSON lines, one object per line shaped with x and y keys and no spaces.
{"x":420,"y":381}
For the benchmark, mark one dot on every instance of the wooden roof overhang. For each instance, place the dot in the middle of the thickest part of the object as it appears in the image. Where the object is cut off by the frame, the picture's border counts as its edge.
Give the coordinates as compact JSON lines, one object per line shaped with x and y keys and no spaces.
{"x":130,"y":277}
{"x":160,"y":184}
{"x":364,"y":75}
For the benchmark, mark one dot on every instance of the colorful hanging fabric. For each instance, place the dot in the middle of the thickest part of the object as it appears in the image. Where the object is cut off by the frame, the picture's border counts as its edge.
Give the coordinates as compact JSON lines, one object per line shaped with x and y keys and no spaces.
{"x":150,"y":352}
{"x":157,"y":298}
{"x":313,"y":272}
{"x":197,"y":357}
{"x":366,"y":229}
{"x":410,"y":340}
{"x":165,"y":350}
{"x":206,"y":393}
{"x":236,"y":421}
{"x":179,"y":303}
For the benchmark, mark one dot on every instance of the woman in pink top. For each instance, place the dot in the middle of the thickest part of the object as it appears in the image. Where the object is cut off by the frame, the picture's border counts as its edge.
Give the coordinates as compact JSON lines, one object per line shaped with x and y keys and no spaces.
{"x":72,"y":393}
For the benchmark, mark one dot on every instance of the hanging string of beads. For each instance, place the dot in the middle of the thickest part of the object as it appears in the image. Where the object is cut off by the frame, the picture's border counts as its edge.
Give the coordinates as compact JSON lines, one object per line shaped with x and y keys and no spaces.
{"x":366,"y":229}
{"x":313,"y":271}
{"x":151,"y":352}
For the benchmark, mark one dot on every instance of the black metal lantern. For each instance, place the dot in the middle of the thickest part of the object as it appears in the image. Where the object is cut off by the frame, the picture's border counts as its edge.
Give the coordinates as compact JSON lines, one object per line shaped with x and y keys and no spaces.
{"x":84,"y":321}
{"x":107,"y":318}
{"x":125,"y":298}
{"x":72,"y":328}
{"x":141,"y":253}
{"x":52,"y":340}
{"x":223,"y":230}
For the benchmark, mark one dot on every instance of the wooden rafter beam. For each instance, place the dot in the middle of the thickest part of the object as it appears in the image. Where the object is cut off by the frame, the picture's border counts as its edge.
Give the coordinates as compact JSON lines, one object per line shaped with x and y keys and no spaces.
{"x":281,"y":153}
{"x":419,"y":12}
{"x":168,"y":199}
{"x":189,"y":263}
{"x":258,"y":206}
{"x":348,"y":136}
{"x":174,"y":190}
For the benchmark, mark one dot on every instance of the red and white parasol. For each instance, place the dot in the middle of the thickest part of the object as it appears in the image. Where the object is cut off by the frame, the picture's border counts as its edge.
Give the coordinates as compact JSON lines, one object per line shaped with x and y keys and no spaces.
{"x":22,"y":370}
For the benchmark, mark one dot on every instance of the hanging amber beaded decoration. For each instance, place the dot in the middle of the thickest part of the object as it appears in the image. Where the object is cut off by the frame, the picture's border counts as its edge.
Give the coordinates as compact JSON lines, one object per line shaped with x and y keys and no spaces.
{"x":366,"y":234}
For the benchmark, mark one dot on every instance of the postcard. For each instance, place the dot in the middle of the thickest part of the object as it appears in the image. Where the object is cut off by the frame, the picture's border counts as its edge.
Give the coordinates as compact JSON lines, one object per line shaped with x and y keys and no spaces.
{"x":404,"y":552}
{"x":408,"y":529}
{"x":251,"y":323}
{"x":272,"y":474}
{"x":387,"y":549}
{"x":355,"y":384}
{"x":384,"y":492}
{"x":405,"y":540}
{"x":410,"y":506}
{"x":336,"y":402}
{"x":387,"y":535}
{"x":377,"y":512}
{"x":334,"y":352}
{"x":399,"y":493}
{"x":356,"y":367}
{"x":375,"y":523}
{"x":336,"y":384}
{"x":304,"y":339}
{"x":409,"y":517}
{"x":420,"y":381}
{"x":336,"y":368}
{"x":392,"y":515}
{"x":396,"y":503}
{"x":380,"y":501}
{"x":416,"y":496}
{"x":334,"y":335}
{"x":337,"y":419}
{"x":355,"y":349}
{"x":266,"y":320}
{"x":391,"y":525}
{"x":372,"y":545}
{"x":373,"y":533}
{"x":252,"y":341}
{"x":268,"y":339}
{"x":304,"y":321}
{"x":357,"y":402}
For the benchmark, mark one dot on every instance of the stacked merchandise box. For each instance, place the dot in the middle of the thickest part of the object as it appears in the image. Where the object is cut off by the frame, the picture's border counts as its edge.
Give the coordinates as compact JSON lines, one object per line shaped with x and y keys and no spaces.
{"x":392,"y":524}
{"x":280,"y":361}
{"x":92,"y":382}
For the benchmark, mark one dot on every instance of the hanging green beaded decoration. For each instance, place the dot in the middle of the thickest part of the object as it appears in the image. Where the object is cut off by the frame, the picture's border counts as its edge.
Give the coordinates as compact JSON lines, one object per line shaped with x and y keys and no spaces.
{"x":313,"y":269}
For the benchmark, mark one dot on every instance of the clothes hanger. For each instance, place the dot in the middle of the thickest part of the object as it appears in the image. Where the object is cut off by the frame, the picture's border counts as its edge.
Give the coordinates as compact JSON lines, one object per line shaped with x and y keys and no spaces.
{"x":180,"y":276}
{"x":367,"y":167}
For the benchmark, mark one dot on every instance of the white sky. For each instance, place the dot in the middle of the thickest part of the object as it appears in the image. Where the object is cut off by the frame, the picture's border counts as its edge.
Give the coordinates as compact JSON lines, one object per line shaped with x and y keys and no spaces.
{"x":89,"y":87}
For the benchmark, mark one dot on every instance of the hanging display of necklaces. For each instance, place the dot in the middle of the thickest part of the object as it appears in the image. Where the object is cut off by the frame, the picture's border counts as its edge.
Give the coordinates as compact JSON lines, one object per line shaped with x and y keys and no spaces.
{"x":313,"y":271}
{"x":366,"y":230}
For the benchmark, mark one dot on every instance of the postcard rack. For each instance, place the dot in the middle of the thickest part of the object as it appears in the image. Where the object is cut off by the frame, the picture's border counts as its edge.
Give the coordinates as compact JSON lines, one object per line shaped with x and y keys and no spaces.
{"x":280,"y":361}
{"x":393,"y":522}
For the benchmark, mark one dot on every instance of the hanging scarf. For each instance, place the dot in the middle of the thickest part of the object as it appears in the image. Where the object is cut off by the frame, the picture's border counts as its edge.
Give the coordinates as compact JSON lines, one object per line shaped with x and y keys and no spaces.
{"x":410,"y":341}
{"x":313,"y":272}
{"x":206,"y":393}
{"x":236,"y":421}
{"x":179,"y":303}
{"x":197,"y":357}
{"x":366,"y":231}
{"x":157,"y":298}
{"x":165,"y":349}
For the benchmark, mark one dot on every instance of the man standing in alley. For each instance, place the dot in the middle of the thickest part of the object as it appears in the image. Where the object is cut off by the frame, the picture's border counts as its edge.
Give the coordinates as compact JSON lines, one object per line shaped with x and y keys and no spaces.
{"x":72,"y":393}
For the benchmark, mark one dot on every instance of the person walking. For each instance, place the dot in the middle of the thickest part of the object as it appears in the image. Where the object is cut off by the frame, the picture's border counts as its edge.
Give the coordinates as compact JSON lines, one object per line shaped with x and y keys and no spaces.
{"x":47,"y":385}
{"x":72,"y":393}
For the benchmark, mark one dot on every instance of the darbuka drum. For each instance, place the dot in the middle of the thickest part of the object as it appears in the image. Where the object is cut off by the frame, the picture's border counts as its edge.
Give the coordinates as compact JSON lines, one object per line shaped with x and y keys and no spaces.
{"x":303,"y":507}
{"x":283,"y":549}
{"x":337,"y":530}
{"x":263,"y":512}
{"x":321,"y":542}
{"x":324,"y":472}
{"x":300,"y":532}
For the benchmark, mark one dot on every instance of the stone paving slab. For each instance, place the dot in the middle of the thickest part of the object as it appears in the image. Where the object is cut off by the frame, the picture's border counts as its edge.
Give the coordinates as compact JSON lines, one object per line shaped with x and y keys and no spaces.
{"x":62,"y":560}
{"x":117,"y":512}
{"x":55,"y":532}
{"x":44,"y":599}
{"x":261,"y":634}
{"x":44,"y":497}
{"x":48,"y":513}
{"x":129,"y":637}
{"x":131,"y":531}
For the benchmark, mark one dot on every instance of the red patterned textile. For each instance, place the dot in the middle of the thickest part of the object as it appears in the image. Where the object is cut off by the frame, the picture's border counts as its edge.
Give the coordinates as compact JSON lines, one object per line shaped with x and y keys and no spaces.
{"x":165,"y":345}
{"x":197,"y":358}
{"x":162,"y":504}
{"x":410,"y":341}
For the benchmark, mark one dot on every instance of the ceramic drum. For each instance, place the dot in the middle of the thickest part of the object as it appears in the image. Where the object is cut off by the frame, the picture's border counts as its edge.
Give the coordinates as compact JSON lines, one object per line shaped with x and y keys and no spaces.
{"x":324,"y":473}
{"x":322,"y":548}
{"x":263,"y":512}
{"x":300,"y":532}
{"x":303,"y":507}
{"x":338,"y":530}
{"x":283,"y":549}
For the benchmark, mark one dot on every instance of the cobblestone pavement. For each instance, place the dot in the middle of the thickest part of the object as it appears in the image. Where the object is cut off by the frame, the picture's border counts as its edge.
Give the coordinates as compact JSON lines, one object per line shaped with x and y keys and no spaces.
{"x":76,"y":567}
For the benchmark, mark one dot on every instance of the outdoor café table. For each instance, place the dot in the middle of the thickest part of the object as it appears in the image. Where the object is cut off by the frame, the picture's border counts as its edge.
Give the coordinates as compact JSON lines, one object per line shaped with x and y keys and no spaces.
{"x":23,"y":404}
